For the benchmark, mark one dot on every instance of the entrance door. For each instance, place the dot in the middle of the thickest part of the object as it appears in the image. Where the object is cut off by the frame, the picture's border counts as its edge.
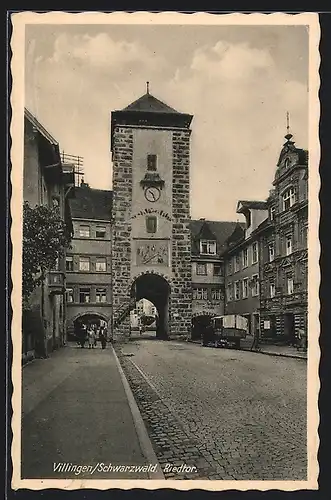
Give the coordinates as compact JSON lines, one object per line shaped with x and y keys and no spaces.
{"x":289,"y":330}
{"x":249,"y":323}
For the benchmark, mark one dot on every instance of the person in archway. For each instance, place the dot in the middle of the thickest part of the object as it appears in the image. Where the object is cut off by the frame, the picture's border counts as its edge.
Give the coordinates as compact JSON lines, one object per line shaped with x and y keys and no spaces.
{"x":103,"y":337}
{"x":96,"y":335}
{"x":91,"y":337}
{"x":82,"y":335}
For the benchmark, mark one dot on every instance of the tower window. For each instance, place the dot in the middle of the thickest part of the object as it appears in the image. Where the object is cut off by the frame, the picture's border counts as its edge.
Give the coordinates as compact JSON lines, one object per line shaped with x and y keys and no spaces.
{"x":151,"y":224}
{"x":151,"y":163}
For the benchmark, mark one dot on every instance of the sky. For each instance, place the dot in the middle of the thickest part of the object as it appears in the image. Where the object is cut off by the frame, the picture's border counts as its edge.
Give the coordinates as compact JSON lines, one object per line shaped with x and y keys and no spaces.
{"x":237,"y":81}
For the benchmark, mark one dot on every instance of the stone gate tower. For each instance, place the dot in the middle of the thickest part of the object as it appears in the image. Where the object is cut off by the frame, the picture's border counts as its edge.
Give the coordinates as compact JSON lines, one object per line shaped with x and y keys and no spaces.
{"x":151,"y":248}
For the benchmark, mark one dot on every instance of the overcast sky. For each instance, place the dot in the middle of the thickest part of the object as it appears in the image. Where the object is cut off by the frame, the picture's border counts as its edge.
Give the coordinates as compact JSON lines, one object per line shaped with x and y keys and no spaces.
{"x":237,"y":81}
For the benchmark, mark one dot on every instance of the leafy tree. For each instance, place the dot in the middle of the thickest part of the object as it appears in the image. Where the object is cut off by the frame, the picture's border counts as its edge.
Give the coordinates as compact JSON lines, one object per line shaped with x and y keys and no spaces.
{"x":45,"y":238}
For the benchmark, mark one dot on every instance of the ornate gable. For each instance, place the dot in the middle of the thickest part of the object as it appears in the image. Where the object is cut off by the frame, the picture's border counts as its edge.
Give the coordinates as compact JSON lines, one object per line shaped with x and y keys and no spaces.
{"x":290,"y":156}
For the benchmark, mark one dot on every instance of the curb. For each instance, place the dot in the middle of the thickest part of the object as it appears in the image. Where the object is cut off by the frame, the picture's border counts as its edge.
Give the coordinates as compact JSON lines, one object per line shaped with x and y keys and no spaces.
{"x":144,"y":441}
{"x":293,"y":356}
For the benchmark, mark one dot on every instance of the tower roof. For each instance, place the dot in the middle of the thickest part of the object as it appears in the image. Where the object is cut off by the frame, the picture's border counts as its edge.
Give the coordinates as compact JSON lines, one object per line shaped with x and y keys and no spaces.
{"x":148,"y":111}
{"x":150,"y":104}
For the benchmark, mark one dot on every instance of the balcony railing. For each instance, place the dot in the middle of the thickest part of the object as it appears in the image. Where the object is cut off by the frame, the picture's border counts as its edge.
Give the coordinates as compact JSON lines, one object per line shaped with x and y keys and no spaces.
{"x":56,"y":282}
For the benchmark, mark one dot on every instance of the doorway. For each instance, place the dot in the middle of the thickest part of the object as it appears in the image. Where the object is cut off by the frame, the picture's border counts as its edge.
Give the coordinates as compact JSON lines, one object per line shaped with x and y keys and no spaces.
{"x":289,"y":330}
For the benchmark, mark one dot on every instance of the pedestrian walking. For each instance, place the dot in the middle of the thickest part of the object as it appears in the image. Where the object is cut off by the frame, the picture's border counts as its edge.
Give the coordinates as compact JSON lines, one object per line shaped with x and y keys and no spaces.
{"x":301,"y":339}
{"x":256,"y":340}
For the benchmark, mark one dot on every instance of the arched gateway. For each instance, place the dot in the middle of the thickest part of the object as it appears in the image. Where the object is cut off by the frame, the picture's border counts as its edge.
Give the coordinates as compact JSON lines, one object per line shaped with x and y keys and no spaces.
{"x":151,"y":250}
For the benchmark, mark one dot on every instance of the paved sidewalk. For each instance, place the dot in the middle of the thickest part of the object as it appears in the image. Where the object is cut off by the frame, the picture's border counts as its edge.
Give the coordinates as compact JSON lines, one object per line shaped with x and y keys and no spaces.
{"x":274,"y":350}
{"x":76,"y":411}
{"x":271,"y":350}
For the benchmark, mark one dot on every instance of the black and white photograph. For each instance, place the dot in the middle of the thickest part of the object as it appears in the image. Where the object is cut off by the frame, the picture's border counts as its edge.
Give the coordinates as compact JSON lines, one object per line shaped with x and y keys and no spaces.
{"x":165,"y":250}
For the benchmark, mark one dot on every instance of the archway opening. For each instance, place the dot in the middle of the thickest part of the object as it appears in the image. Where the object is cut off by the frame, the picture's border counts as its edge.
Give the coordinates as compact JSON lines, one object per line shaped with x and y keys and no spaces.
{"x":199,"y":324}
{"x":144,"y":319}
{"x":156,"y":290}
{"x":88,"y":319}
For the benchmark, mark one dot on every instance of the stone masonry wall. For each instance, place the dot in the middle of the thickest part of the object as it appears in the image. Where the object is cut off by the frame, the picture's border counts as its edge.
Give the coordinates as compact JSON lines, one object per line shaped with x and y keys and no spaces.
{"x":181,"y":293}
{"x":121,"y":248}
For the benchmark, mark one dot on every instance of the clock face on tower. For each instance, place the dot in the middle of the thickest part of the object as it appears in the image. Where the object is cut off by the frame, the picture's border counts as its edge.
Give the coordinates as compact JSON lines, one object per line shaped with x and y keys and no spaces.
{"x":152,"y":194}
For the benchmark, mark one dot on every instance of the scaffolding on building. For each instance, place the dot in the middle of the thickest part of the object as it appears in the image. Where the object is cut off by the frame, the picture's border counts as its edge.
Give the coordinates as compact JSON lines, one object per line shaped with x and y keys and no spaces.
{"x":75,"y":164}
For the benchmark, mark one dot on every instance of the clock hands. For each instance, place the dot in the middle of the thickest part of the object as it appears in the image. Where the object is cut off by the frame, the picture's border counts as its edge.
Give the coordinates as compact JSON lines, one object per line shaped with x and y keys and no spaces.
{"x":152,"y":194}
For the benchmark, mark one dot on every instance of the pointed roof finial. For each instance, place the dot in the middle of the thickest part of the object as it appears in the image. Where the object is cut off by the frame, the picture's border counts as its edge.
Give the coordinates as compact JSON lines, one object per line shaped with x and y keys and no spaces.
{"x":288,"y":122}
{"x":147,"y":87}
{"x":288,"y":135}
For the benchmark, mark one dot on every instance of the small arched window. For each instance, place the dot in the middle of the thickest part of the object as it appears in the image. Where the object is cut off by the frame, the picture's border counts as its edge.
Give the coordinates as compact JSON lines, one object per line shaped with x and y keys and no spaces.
{"x":287,"y":162}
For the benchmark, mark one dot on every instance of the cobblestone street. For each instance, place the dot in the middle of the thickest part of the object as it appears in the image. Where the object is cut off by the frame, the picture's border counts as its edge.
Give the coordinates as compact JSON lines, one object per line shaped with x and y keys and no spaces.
{"x":231,"y":414}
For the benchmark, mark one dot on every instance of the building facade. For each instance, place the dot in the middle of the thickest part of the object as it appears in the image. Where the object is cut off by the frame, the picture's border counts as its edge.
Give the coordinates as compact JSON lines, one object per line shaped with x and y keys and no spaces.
{"x":46,"y":181}
{"x":242,"y":273}
{"x":283,"y":248}
{"x":151,"y":251}
{"x":88,"y":262}
{"x":207,"y":244}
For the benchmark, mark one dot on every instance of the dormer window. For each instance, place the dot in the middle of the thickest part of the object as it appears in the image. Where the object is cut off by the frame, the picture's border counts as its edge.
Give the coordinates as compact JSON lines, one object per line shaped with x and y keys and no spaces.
{"x":272,"y":213}
{"x":288,"y":198}
{"x":151,"y":163}
{"x":208,"y":247}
